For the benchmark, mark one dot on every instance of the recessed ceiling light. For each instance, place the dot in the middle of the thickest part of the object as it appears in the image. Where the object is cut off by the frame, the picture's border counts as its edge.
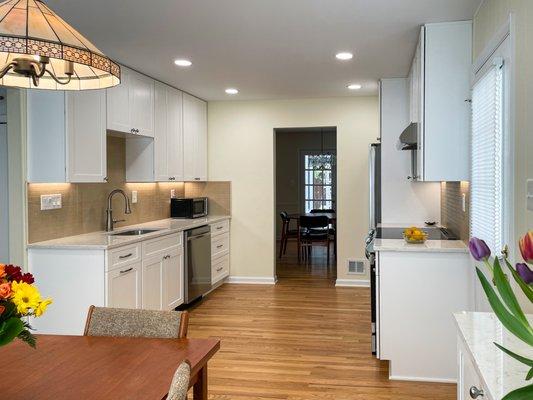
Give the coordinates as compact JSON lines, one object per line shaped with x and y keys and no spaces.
{"x":344,"y":56}
{"x":354,"y":86}
{"x":182,"y":63}
{"x":232,"y":91}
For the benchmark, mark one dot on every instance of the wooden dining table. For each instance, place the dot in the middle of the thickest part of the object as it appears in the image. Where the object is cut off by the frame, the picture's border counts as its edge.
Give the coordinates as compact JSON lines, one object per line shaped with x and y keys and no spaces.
{"x":98,"y":368}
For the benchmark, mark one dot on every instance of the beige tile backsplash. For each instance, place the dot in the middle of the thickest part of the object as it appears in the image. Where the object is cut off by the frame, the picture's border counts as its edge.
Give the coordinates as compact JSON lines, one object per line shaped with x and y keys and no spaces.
{"x":84,"y":204}
{"x":452,"y":214}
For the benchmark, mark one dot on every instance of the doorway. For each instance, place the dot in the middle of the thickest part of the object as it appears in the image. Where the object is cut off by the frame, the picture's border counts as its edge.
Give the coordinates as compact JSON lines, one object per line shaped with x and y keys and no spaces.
{"x":306,"y":192}
{"x":4,"y":182}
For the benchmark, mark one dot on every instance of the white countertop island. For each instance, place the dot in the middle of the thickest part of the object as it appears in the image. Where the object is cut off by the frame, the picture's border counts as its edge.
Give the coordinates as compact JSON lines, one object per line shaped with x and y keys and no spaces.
{"x":492,"y":371}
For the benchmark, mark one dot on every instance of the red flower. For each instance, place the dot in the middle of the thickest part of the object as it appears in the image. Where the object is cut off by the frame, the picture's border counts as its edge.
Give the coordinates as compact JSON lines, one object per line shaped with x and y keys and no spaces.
{"x":27,"y":278}
{"x":14,"y":274}
{"x":526,"y":247}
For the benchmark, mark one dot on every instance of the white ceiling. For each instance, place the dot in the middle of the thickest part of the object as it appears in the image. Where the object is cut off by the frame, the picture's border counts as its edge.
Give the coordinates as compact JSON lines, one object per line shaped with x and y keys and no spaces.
{"x":268,"y":49}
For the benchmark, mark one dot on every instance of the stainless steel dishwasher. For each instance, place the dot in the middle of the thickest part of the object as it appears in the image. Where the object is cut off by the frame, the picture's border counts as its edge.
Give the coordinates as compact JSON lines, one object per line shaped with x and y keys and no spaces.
{"x":197,"y":277}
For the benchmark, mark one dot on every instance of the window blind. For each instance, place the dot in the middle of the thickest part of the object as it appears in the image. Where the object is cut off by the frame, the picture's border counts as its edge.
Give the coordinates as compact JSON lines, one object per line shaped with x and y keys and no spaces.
{"x":486,"y":211}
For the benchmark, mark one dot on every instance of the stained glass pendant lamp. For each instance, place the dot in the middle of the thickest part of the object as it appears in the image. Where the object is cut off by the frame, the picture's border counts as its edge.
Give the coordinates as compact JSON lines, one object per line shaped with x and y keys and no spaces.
{"x":39,"y":50}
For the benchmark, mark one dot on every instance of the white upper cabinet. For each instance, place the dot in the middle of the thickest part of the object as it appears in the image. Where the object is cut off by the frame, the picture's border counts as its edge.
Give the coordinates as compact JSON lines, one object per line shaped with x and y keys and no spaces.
{"x":86,"y":136}
{"x":194,"y":138}
{"x":130,"y":105}
{"x":440,"y":90}
{"x":168,"y":139}
{"x":66,"y":136}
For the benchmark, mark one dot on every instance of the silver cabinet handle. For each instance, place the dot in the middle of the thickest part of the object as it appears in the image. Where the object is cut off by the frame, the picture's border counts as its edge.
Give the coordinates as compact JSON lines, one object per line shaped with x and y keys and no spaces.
{"x":220,"y":246}
{"x":126,"y":270}
{"x":220,"y":269}
{"x":475,"y":392}
{"x":132,"y":130}
{"x":196,"y":179}
{"x":166,"y":257}
{"x":125,"y":256}
{"x":219,"y":228}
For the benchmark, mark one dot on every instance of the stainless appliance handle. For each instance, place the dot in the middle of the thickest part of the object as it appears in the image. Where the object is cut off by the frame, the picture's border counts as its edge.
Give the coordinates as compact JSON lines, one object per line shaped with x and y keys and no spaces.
{"x":197,"y":237}
{"x":372,"y":182}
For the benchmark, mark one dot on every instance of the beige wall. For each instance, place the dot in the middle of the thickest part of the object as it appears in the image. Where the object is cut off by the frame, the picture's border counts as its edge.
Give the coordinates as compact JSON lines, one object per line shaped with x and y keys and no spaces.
{"x":84,"y":204}
{"x":491,"y":16}
{"x":241,"y":150}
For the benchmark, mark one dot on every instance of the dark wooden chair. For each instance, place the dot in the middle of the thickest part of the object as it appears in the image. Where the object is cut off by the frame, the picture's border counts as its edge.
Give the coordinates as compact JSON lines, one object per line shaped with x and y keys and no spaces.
{"x":286,"y":233}
{"x":314,"y":231}
{"x":332,"y":228}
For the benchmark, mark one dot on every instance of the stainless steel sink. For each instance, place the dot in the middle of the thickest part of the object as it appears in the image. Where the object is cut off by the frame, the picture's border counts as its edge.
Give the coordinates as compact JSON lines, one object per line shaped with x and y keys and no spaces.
{"x":134,"y":232}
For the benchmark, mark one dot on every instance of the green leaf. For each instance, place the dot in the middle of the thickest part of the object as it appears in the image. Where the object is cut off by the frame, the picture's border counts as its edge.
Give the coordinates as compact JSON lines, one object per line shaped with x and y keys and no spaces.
{"x":506,"y":293}
{"x":9,"y":330}
{"x":27,"y":337}
{"x":514,"y":325}
{"x":528,"y":290}
{"x":518,"y":357}
{"x":525,"y":393}
{"x":529,"y":375}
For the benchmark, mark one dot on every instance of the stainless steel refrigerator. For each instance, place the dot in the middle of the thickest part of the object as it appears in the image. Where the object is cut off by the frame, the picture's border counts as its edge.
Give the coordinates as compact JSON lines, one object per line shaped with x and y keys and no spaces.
{"x":375,"y":185}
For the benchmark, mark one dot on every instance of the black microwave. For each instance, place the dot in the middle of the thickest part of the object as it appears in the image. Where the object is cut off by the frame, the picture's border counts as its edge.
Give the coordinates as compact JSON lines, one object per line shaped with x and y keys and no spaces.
{"x":188,"y":207}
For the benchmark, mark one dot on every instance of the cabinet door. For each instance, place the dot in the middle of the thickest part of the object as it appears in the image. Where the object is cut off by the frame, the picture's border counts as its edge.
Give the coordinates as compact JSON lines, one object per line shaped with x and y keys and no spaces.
{"x":141,"y":101}
{"x":152,"y":268}
{"x":194,"y":138}
{"x":118,"y":111}
{"x":46,"y":152}
{"x":86,"y":136}
{"x":124,"y":287}
{"x":161,"y":140}
{"x":173,"y":279}
{"x":175,"y":134}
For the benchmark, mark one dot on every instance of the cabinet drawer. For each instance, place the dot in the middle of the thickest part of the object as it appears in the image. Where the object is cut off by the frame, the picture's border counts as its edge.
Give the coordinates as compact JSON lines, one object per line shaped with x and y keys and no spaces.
{"x":219,"y":245}
{"x":117,"y":258}
{"x":219,"y":268}
{"x":161,"y":244}
{"x":220,"y":227}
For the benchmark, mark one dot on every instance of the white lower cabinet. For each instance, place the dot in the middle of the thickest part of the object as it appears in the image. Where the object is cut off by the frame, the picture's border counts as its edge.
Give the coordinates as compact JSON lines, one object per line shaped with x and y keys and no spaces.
{"x":124,"y":287}
{"x":469,"y":383}
{"x":220,"y":248}
{"x":147,"y":275}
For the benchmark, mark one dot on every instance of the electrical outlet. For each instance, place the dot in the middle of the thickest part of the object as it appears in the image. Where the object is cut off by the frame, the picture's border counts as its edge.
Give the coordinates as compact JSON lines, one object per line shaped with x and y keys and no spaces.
{"x":51,"y":202}
{"x":172,"y":193}
{"x":464,"y":202}
{"x":133,"y":197}
{"x":530,"y":194}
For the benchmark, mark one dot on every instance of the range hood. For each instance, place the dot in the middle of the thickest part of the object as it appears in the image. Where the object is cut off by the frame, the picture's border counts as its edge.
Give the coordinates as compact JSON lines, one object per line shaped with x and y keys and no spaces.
{"x":409,"y":138}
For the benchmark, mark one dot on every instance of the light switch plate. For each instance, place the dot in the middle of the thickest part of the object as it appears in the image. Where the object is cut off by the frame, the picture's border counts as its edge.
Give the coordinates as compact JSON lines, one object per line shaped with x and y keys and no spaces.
{"x":530,"y":194}
{"x":51,"y":202}
{"x":133,"y":196}
{"x":172,"y":193}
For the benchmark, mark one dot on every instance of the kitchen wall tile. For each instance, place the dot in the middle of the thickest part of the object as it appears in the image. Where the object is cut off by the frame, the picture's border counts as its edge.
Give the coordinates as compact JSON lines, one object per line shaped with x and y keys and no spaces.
{"x":452,"y":214}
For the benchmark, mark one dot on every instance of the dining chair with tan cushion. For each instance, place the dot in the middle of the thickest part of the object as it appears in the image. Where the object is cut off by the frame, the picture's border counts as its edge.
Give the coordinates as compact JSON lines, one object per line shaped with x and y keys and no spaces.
{"x":122,"y":322}
{"x":180,"y":382}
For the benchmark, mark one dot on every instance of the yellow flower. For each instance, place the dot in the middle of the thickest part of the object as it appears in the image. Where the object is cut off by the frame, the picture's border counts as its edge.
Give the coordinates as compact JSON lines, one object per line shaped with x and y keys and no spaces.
{"x":41,"y":308}
{"x":25,"y":297}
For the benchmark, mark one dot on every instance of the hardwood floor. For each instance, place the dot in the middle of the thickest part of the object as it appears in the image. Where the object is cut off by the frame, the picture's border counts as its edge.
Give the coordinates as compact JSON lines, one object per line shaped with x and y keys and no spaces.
{"x":299,"y":339}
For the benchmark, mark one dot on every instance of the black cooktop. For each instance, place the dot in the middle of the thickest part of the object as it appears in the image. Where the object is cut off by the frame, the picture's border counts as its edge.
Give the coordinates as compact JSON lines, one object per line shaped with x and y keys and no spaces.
{"x":397,"y":233}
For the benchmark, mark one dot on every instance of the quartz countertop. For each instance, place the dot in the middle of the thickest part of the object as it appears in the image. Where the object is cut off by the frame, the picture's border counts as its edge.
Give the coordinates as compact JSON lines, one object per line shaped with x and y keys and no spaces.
{"x":500,"y":373}
{"x":441,"y":246}
{"x":107,"y":240}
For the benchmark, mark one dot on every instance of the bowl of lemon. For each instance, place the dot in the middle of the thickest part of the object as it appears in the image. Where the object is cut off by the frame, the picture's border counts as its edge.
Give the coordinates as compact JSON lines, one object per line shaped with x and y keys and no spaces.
{"x":415,"y":235}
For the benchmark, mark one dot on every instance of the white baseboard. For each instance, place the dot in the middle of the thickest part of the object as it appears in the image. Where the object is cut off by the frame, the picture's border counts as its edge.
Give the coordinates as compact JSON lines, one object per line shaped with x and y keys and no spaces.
{"x":352,"y":283}
{"x":421,"y":379}
{"x":253,"y":280}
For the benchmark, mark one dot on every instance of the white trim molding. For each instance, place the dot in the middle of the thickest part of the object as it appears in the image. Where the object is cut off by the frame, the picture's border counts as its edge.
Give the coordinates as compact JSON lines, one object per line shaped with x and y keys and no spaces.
{"x":352,"y":283}
{"x":252,"y":280}
{"x":421,"y":379}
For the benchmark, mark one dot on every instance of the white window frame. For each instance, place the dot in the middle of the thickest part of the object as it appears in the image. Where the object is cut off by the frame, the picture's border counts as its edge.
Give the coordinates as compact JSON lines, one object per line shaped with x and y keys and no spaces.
{"x":302,"y":185}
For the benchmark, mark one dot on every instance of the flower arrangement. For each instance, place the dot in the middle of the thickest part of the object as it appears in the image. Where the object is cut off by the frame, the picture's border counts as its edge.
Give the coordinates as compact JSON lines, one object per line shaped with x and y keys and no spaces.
{"x":19,"y":298}
{"x":504,"y":302}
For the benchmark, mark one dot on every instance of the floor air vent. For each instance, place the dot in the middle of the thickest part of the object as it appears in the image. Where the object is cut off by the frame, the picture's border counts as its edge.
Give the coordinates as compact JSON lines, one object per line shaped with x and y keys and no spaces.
{"x":356,"y":267}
